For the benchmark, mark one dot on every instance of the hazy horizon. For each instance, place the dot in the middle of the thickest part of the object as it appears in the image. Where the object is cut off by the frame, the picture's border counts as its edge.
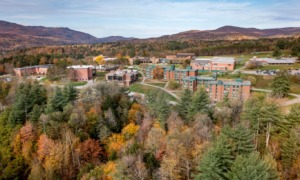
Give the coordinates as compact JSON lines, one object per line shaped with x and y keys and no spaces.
{"x":145,"y":18}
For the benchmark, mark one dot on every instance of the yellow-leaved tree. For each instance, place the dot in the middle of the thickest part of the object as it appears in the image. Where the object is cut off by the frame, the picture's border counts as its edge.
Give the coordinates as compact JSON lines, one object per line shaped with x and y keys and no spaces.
{"x":100,"y":60}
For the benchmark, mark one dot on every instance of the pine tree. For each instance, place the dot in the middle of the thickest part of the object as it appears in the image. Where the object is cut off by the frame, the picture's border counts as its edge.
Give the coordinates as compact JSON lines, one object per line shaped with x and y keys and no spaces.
{"x":217,"y":161}
{"x":251,"y":167}
{"x":70,"y":94}
{"x":58,"y":100}
{"x":242,"y":139}
{"x":162,"y":109}
{"x":200,"y":103}
{"x":280,"y":85}
{"x":185,"y":104}
{"x":277,"y":52}
{"x":35,"y":113}
{"x":293,"y":117}
{"x":270,"y":118}
{"x":289,"y":151}
{"x":18,"y":113}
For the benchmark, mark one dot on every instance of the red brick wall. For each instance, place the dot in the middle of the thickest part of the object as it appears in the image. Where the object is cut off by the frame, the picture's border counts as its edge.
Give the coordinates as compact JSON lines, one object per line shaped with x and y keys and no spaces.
{"x":246,"y":92}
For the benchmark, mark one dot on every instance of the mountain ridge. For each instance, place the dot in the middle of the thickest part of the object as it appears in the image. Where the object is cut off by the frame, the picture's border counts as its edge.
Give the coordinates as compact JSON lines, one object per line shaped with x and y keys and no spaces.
{"x":16,"y":36}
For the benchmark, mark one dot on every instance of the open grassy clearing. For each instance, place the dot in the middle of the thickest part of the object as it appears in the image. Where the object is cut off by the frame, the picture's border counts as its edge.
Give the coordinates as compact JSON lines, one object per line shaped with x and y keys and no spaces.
{"x":283,"y":67}
{"x":74,"y":84}
{"x":158,"y":84}
{"x":140,"y":88}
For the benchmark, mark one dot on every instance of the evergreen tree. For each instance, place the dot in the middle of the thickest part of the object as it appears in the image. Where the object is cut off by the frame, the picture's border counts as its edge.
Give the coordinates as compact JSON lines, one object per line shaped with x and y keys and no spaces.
{"x":38,"y":95}
{"x":200,"y":103}
{"x":242,"y":139}
{"x":58,"y":100}
{"x":159,"y":107}
{"x":270,"y":119}
{"x":293,"y":118}
{"x":217,"y":161}
{"x":18,"y":113}
{"x":28,"y":95}
{"x":35,"y":113}
{"x":289,"y":151}
{"x":251,"y":167}
{"x":280,"y":85}
{"x":185,"y":104}
{"x":277,"y":52}
{"x":70,"y":94}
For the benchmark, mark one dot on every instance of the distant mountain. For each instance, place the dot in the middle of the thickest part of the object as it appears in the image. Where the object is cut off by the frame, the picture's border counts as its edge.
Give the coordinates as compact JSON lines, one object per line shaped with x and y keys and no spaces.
{"x":234,"y":33}
{"x":15,"y":36}
{"x":115,"y":39}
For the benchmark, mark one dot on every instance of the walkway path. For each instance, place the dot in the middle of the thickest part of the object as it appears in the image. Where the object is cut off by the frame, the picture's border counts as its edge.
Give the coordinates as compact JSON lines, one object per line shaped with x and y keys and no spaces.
{"x":167,"y":91}
{"x":287,"y":103}
{"x":237,"y":70}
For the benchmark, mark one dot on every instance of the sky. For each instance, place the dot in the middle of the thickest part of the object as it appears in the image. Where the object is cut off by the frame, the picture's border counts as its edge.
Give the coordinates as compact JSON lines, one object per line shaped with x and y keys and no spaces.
{"x":150,"y":18}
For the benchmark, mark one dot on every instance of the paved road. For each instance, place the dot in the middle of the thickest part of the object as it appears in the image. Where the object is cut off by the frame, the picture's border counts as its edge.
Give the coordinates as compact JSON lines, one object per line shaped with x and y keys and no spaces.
{"x":169,"y":92}
{"x":287,"y":103}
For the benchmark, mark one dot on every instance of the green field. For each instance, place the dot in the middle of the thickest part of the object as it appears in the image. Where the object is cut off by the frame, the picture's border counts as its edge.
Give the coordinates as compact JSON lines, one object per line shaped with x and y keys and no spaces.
{"x":139,"y":88}
{"x":287,"y":67}
{"x":158,"y":84}
{"x":100,"y":76}
{"x":74,"y":84}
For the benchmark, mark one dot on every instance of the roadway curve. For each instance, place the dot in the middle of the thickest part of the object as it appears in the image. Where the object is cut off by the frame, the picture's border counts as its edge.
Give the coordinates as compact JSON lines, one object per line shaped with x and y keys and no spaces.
{"x":287,"y":103}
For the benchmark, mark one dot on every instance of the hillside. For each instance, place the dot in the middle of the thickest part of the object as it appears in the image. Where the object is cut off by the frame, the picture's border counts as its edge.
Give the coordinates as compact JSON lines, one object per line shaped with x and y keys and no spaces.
{"x":234,"y":33}
{"x":15,"y":36}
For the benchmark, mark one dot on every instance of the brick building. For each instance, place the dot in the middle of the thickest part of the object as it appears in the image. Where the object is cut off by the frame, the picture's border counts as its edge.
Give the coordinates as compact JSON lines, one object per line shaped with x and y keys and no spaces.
{"x":214,"y":64}
{"x":217,"y":89}
{"x":179,"y":58}
{"x":80,"y":72}
{"x":124,"y":78}
{"x":172,"y":73}
{"x":32,"y":70}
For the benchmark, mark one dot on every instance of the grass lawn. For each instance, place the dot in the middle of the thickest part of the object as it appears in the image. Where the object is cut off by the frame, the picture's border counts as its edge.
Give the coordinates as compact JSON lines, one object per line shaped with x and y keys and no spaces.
{"x":100,"y":76}
{"x":146,"y":89}
{"x":283,"y":67}
{"x":158,"y":84}
{"x":295,"y":88}
{"x":74,"y":84}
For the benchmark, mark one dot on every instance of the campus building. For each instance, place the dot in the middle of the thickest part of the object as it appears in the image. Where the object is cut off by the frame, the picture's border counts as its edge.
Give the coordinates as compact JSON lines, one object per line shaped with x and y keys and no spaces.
{"x":124,"y":77}
{"x":273,"y":61}
{"x":213,"y":64}
{"x":217,"y":89}
{"x":180,"y":58}
{"x":80,"y":72}
{"x":172,"y":73}
{"x":32,"y":70}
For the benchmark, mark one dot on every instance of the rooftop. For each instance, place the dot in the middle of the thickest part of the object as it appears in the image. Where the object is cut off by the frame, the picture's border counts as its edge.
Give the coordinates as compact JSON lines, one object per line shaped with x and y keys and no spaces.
{"x":237,"y":82}
{"x":274,"y":61}
{"x":81,"y":66}
{"x":37,"y":66}
{"x":214,"y":60}
{"x":185,"y":54}
{"x":223,"y":60}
